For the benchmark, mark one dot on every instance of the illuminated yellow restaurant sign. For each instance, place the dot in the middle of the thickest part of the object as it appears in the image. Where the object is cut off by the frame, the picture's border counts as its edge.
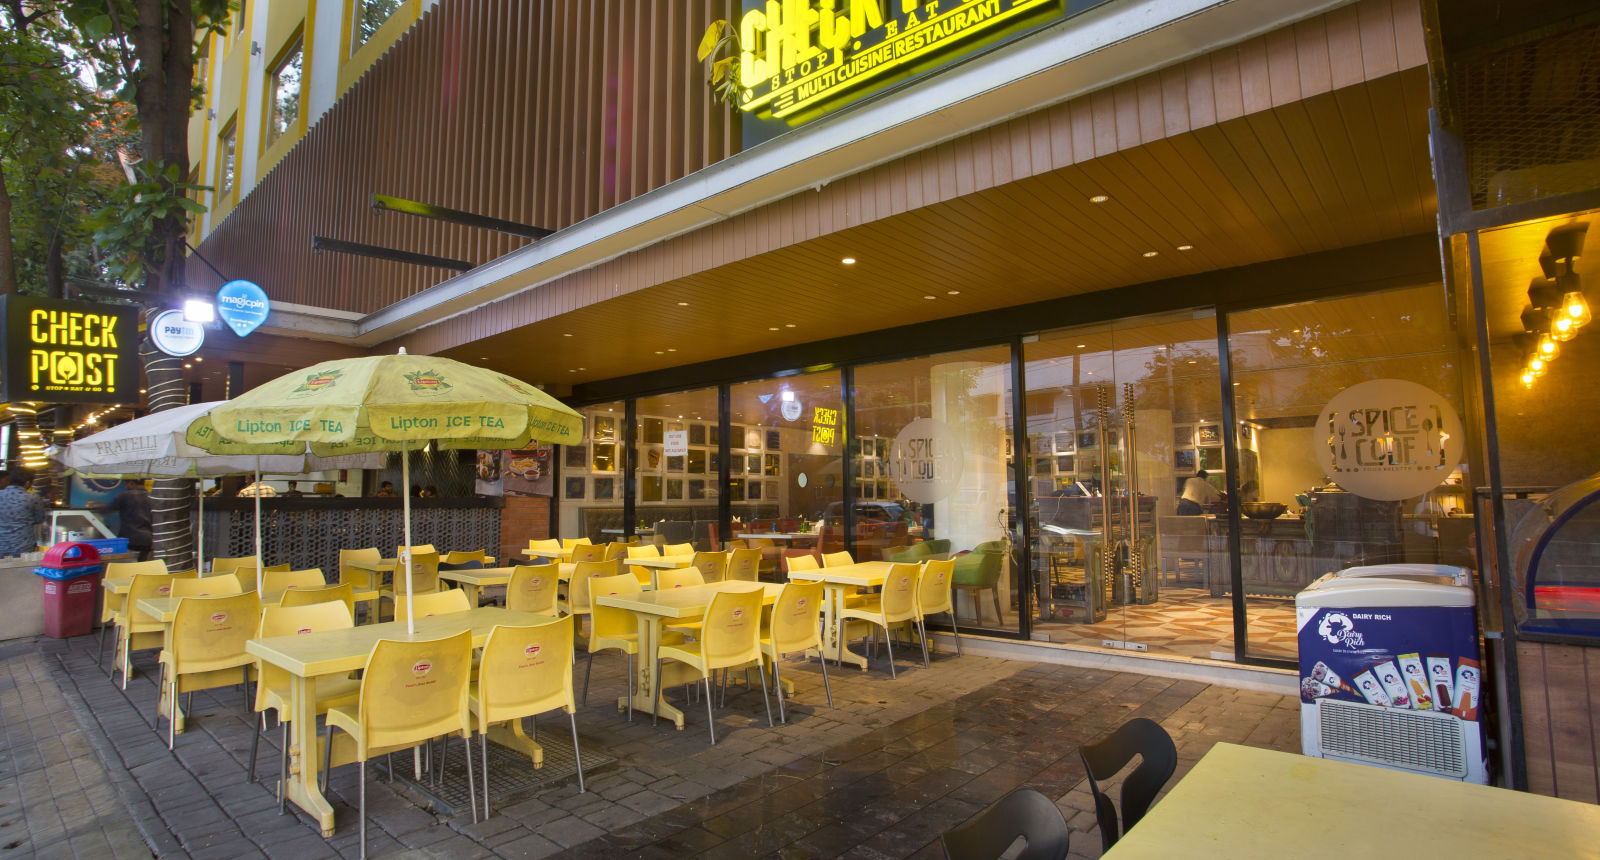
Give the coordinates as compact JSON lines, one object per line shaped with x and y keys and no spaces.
{"x":69,"y":352}
{"x":799,"y":58}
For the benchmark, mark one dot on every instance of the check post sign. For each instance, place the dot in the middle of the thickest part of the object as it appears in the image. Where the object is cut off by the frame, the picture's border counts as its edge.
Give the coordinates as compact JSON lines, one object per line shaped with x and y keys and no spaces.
{"x":69,"y":352}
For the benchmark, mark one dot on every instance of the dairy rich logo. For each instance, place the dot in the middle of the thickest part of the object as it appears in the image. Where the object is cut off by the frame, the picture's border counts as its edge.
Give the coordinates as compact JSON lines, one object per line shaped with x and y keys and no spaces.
{"x":427,"y":382}
{"x":1338,"y":629}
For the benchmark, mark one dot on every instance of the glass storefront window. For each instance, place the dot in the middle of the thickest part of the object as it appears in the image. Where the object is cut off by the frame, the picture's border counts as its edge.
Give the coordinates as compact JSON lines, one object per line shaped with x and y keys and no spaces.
{"x":1335,"y":475}
{"x":930,"y":475}
{"x":786,"y":465}
{"x":675,"y":483}
{"x":591,"y":476}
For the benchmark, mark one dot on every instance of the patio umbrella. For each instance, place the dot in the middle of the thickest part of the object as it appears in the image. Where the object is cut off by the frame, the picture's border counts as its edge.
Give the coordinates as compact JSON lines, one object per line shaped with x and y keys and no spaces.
{"x":391,"y":403}
{"x":157,"y":446}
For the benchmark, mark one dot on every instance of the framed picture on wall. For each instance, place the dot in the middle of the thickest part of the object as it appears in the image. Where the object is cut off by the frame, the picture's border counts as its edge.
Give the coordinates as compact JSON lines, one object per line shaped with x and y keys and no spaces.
{"x":1211,"y":459}
{"x":697,"y":434}
{"x":576,"y":487}
{"x":1208,"y":435}
{"x":1066,"y":443}
{"x":674,"y":489}
{"x":736,"y":435}
{"x":774,"y":441}
{"x":752,"y":464}
{"x":714,"y":434}
{"x":736,"y":490}
{"x":868,"y":490}
{"x":696,"y":463}
{"x":651,"y":429}
{"x":650,"y":488}
{"x":1041,"y":466}
{"x":675,"y":464}
{"x":1183,"y":461}
{"x":652,"y":458}
{"x":1043,"y":444}
{"x":1088,"y":439}
{"x":1247,"y":436}
{"x":752,"y":439}
{"x":605,"y":459}
{"x":774,"y":465}
{"x":1064,"y":463}
{"x":1183,"y":435}
{"x":577,"y":456}
{"x":605,"y":428}
{"x":772,"y":491}
{"x":753,"y":491}
{"x":713,"y":462}
{"x":604,"y":489}
{"x":697,"y":489}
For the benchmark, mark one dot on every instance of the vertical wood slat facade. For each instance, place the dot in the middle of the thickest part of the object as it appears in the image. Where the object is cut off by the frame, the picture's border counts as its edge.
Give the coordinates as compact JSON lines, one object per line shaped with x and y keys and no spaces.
{"x":543,"y":113}
{"x":1560,"y":690}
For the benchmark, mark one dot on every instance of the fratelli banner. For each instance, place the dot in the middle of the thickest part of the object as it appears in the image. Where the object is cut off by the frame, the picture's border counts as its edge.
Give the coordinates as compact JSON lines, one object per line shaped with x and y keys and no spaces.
{"x":69,"y":352}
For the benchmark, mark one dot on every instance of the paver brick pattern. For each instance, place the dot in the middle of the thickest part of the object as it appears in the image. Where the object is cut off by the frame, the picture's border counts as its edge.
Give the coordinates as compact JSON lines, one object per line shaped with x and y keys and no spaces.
{"x":880,"y":775}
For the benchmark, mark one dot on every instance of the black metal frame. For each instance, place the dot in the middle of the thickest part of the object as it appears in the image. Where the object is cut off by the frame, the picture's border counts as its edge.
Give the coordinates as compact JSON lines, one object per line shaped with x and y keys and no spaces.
{"x":388,"y":203}
{"x":395,"y":255}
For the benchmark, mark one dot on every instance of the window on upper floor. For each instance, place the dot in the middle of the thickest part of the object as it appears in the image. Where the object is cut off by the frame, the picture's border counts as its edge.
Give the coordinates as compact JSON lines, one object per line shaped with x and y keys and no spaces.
{"x":284,"y":86}
{"x":226,"y":145}
{"x":369,"y":16}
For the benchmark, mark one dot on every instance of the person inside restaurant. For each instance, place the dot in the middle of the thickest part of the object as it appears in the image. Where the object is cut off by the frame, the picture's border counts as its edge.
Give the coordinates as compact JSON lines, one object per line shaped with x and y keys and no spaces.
{"x":132,"y":507}
{"x":1197,"y":494}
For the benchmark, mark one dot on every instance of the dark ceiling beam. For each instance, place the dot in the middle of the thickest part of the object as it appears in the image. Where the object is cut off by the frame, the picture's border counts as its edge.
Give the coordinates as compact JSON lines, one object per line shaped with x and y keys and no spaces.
{"x":386,"y":203}
{"x":340,"y":246}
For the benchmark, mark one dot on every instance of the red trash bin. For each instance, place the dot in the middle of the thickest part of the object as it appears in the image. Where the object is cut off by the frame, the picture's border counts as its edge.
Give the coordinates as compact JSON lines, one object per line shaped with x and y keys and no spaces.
{"x":71,"y":575}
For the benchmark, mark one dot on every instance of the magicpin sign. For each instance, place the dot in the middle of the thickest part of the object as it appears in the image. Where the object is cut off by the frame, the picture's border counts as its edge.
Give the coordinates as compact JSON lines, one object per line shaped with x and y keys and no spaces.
{"x":243,"y":306}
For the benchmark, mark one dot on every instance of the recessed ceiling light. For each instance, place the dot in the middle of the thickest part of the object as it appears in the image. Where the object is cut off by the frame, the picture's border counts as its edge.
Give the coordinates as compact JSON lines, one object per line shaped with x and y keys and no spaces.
{"x":1151,"y":253}
{"x":570,"y":370}
{"x":788,"y":325}
{"x":583,"y":368}
{"x":683,"y":304}
{"x":566,"y":334}
{"x":1186,"y":247}
{"x":848,"y":261}
{"x":930,"y":298}
{"x":1099,"y":198}
{"x":952,"y":292}
{"x":772,"y":328}
{"x":483,"y":358}
{"x":673,"y":349}
{"x":660,"y":352}
{"x":1192,"y":361}
{"x":1082,"y":345}
{"x":1236,"y":385}
{"x":199,"y":358}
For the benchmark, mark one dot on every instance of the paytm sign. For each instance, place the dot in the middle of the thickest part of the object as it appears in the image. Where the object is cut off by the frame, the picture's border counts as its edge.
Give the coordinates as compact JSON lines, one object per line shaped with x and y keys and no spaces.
{"x":243,"y":306}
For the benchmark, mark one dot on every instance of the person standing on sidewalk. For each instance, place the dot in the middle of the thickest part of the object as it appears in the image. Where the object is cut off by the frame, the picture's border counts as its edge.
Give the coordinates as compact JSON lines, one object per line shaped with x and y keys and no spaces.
{"x":20,"y":514}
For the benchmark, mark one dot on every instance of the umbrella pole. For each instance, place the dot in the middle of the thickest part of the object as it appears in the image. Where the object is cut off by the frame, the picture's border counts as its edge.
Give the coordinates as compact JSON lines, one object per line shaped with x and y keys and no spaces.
{"x":200,"y":542}
{"x":260,"y":562}
{"x":405,"y":524}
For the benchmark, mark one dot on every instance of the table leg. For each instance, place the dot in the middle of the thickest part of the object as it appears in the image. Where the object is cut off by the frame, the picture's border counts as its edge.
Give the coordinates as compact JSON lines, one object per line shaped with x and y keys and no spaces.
{"x":512,"y":736}
{"x":833,"y":643}
{"x":305,"y":755}
{"x":169,"y":704}
{"x":645,"y":678}
{"x":472,"y":594}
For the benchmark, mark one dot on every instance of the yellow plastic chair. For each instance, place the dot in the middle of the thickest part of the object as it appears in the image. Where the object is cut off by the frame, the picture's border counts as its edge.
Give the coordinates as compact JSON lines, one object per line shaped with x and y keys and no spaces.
{"x":138,"y":631}
{"x":550,"y":545}
{"x":278,"y":580}
{"x":277,"y":568}
{"x":646,"y":550}
{"x":678,"y":549}
{"x":731,"y":636}
{"x":411,"y":693}
{"x":683,"y":577}
{"x":273,"y":683}
{"x":207,"y":646}
{"x":744,"y":565}
{"x":524,"y":672}
{"x":578,"y":602}
{"x":837,"y":559}
{"x":802,"y":562}
{"x":417,"y":549}
{"x":589,"y":552}
{"x":534,"y":588}
{"x":221,"y":585}
{"x":361,"y":579}
{"x":465,"y":557}
{"x":616,"y":549}
{"x":896,"y":604}
{"x":345,"y":594}
{"x":228,"y":565}
{"x":437,"y":603}
{"x":933,"y":597}
{"x":573,"y":543}
{"x":713,"y":566}
{"x":111,"y":610}
{"x":615,"y":628}
{"x":793,"y":627}
{"x":424,"y":577}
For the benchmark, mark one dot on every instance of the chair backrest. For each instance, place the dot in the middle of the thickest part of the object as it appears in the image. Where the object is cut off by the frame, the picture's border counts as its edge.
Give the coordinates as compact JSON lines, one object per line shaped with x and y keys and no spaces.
{"x":900,"y":592}
{"x":534,"y":588}
{"x":616,"y":549}
{"x":589,"y":552}
{"x":278,"y":580}
{"x":345,"y":594}
{"x":210,"y":632}
{"x":1023,"y":813}
{"x":837,"y":559}
{"x":713,"y":566}
{"x":121,"y":569}
{"x":417,"y":549}
{"x":732,"y":632}
{"x":249,"y":577}
{"x":582,"y":574}
{"x":413,"y":691}
{"x":207,"y":586}
{"x":647,"y":550}
{"x":550,"y":544}
{"x":800,"y":559}
{"x":937,"y":547}
{"x":794,"y":617}
{"x":933,"y":588}
{"x":463,"y":558}
{"x":680,"y":578}
{"x":678,"y":549}
{"x":436,"y":603}
{"x":224,"y":565}
{"x":424,"y":574}
{"x":1102,"y":759}
{"x":277,"y":568}
{"x":608,"y":620}
{"x":526,"y":670}
{"x":290,"y":620}
{"x":573,"y":543}
{"x":150,"y":585}
{"x":744,"y":565}
{"x":370,"y":554}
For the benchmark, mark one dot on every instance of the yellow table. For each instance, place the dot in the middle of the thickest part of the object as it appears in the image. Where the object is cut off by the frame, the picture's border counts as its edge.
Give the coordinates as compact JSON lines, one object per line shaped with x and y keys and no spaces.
{"x":564,"y":554}
{"x":338,"y":652}
{"x":653,"y":609}
{"x":473,"y":581}
{"x":835,"y":580}
{"x":1242,"y":802}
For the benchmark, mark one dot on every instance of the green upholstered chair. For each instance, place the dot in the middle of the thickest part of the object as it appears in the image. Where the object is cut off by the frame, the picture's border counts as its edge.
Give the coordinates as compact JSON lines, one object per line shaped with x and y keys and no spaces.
{"x":936,"y":548}
{"x":916,"y":553}
{"x":978,"y":570}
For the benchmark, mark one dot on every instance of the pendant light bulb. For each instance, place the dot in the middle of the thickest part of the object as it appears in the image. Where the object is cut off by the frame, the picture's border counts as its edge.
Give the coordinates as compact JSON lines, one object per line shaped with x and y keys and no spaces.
{"x":1548,"y":348}
{"x":1562,"y":328}
{"x":1575,"y":307}
{"x":1528,"y":378}
{"x":1536,"y":366}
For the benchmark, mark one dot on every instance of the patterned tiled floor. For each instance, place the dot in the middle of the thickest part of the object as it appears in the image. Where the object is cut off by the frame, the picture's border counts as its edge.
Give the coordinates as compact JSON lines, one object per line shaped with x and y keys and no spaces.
{"x":1187,"y":622}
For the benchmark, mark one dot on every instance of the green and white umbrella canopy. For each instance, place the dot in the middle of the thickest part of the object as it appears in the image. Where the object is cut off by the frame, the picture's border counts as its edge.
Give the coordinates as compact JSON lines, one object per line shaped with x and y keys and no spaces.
{"x":391,"y":403}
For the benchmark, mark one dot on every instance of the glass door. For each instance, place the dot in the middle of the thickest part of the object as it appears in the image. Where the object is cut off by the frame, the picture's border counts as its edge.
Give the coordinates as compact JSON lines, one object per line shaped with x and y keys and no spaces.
{"x":1117,"y":417}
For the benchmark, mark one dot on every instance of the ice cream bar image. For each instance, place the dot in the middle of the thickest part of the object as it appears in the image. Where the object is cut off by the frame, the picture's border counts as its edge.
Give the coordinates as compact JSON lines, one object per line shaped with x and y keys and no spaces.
{"x":1440,"y":676}
{"x":1367,"y":684}
{"x":1321,"y":672}
{"x":1416,"y":679}
{"x":1389,"y":676}
{"x":1467,"y":680}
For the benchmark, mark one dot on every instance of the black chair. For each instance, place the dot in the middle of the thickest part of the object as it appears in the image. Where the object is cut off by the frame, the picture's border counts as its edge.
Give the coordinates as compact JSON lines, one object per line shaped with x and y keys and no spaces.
{"x":1023,"y":813}
{"x":1141,"y":737}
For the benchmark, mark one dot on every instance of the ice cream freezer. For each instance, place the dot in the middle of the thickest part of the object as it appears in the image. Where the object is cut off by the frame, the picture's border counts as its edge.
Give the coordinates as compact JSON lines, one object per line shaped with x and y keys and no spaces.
{"x":1390,"y":669}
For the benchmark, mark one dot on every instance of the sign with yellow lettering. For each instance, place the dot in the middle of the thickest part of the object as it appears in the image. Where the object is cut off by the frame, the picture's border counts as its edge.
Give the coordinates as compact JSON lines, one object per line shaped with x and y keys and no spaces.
{"x":69,"y":352}
{"x":799,"y":59}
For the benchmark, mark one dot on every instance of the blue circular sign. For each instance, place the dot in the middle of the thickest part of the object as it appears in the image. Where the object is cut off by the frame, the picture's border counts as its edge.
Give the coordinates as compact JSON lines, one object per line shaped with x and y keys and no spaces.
{"x":242,"y":306}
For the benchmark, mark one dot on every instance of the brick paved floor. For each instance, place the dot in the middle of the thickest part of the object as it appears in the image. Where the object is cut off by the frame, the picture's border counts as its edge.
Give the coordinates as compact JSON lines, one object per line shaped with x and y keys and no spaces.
{"x":881,"y":775}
